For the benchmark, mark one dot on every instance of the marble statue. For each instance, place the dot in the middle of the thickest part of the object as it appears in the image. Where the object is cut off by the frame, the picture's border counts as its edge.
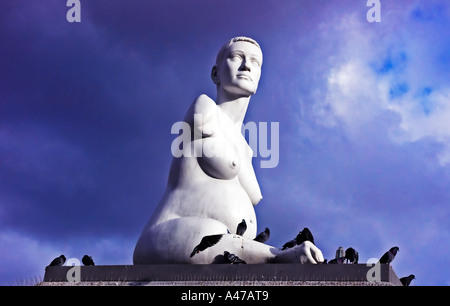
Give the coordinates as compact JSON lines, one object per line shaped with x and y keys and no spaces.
{"x":210,"y":194}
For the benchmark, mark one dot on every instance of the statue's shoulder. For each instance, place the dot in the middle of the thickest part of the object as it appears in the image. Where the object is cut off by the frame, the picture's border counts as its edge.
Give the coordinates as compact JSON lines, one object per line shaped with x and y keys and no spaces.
{"x":203,"y":105}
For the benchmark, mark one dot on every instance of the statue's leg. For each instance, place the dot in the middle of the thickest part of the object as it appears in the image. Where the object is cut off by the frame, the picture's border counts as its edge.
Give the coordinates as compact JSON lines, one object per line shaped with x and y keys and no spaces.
{"x":173,"y":241}
{"x":253,"y":252}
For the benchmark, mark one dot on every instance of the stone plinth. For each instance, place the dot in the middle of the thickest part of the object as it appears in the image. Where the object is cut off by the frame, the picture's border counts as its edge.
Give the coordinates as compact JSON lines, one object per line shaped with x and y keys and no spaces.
{"x":221,"y":274}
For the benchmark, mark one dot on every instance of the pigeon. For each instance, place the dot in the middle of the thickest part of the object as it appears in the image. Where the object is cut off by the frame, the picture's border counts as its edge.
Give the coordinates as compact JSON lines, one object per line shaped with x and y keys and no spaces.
{"x":205,"y":243}
{"x":351,"y":255}
{"x":263,"y":236}
{"x":304,"y":235}
{"x":87,"y":260}
{"x":58,"y":261}
{"x":290,"y":244}
{"x":407,"y":280}
{"x":339,"y":260}
{"x":241,"y":228}
{"x":301,"y":237}
{"x":232,"y":259}
{"x":389,"y":256}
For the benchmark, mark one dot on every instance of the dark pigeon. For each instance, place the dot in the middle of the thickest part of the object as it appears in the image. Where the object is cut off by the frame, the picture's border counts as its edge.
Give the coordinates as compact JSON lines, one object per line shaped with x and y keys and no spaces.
{"x":87,"y":260}
{"x":407,"y":280}
{"x":263,"y":236}
{"x":389,"y":256}
{"x":241,"y":228}
{"x":290,"y":244}
{"x":205,"y":243}
{"x":351,"y":255}
{"x":58,"y":261}
{"x":339,"y":260}
{"x":233,"y":259}
{"x":304,"y":235}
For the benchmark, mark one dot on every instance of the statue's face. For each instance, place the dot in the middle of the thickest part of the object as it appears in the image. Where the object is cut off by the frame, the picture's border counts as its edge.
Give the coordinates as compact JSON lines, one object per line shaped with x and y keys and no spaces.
{"x":240,"y":70}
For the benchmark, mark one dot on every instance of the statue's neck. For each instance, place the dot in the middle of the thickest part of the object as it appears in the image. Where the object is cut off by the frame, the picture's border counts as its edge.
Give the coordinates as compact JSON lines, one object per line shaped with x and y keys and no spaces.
{"x":234,"y":108}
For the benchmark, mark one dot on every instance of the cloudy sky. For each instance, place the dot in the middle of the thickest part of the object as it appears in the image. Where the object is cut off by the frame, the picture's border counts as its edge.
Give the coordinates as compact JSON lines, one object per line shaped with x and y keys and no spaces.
{"x":363,"y":108}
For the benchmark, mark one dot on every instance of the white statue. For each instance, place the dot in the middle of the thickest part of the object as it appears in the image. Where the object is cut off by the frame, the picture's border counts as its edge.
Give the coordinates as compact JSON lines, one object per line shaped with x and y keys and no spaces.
{"x":212,"y":193}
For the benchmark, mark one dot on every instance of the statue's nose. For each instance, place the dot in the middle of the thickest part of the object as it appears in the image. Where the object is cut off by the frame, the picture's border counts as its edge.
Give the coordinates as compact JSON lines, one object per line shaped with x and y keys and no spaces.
{"x":246,"y":66}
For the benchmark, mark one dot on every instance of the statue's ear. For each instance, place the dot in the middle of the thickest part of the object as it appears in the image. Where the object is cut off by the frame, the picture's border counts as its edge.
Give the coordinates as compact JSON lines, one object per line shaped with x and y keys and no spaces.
{"x":215,"y":75}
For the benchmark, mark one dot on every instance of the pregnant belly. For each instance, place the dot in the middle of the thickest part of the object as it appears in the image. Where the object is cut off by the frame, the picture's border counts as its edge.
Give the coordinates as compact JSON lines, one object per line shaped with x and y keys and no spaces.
{"x":224,"y":201}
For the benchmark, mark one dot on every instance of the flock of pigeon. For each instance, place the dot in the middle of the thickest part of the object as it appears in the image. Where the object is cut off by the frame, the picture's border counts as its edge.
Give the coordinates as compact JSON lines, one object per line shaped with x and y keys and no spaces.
{"x":59,"y":261}
{"x":349,"y":256}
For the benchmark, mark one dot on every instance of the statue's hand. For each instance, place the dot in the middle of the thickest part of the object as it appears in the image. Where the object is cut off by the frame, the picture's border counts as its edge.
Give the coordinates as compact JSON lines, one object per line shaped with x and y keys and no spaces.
{"x":306,"y":252}
{"x":312,"y":254}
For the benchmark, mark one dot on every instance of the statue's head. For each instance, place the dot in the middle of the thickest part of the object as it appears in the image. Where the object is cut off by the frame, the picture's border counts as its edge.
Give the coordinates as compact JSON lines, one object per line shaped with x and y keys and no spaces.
{"x":238,"y":66}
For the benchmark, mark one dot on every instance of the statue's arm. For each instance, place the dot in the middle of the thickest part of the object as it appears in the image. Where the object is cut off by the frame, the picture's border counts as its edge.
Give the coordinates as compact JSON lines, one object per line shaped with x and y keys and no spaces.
{"x":247,"y":178}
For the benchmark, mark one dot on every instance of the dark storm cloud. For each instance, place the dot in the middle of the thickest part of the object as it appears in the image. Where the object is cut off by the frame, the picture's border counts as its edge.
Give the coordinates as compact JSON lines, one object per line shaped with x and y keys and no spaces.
{"x":86,"y":110}
{"x":76,"y":125}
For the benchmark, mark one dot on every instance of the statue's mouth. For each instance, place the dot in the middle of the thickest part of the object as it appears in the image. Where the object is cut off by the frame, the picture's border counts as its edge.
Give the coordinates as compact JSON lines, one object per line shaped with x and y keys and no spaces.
{"x":244,"y":76}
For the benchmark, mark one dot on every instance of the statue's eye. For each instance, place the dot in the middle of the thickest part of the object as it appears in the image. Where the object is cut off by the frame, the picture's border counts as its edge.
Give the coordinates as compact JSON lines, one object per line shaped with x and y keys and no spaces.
{"x":255,"y":62}
{"x":236,"y":56}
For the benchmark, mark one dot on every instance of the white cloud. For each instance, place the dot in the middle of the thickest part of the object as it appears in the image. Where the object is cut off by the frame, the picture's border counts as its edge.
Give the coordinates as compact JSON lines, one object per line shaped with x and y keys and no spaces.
{"x":354,"y":94}
{"x":377,"y":75}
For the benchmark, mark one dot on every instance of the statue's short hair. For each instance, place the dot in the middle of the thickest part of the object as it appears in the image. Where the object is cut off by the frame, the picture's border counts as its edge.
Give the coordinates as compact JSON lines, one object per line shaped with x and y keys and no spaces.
{"x":221,"y":53}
